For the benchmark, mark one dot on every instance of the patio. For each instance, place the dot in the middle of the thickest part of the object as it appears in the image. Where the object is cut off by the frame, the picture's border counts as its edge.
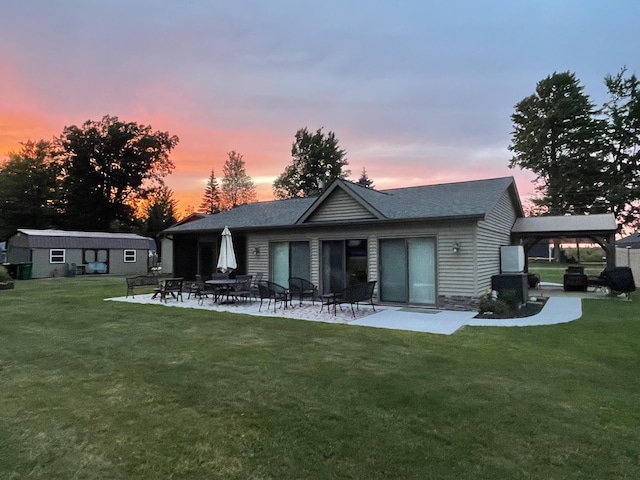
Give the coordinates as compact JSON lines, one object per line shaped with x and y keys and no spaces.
{"x":561,"y":307}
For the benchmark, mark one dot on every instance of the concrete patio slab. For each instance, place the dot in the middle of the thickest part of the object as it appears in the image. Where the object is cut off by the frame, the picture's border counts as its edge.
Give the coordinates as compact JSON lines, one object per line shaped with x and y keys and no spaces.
{"x":426,"y":320}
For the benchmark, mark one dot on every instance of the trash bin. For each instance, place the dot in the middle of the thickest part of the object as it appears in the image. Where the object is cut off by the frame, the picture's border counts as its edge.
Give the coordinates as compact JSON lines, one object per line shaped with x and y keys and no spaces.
{"x":24,"y":271}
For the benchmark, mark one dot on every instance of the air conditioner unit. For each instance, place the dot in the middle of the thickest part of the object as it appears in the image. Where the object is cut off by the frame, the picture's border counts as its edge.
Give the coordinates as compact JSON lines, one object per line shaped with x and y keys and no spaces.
{"x":512,"y":259}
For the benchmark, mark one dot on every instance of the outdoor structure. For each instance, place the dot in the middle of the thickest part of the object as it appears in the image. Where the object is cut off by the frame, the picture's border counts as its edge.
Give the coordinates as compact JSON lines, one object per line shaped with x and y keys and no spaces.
{"x":596,"y":228}
{"x":57,"y":252}
{"x":435,"y":245}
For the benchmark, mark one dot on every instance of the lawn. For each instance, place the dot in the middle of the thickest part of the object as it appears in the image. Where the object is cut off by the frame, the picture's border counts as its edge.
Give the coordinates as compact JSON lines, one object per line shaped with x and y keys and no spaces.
{"x":554,"y":272}
{"x":107,"y":390}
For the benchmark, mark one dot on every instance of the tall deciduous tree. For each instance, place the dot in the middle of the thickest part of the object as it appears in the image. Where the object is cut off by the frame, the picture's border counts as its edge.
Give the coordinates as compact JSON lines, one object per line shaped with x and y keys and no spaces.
{"x":237,"y":188}
{"x":108,"y":165}
{"x":557,"y":136}
{"x":29,"y":189}
{"x":211,"y":199}
{"x":317,"y":160}
{"x":622,"y":113}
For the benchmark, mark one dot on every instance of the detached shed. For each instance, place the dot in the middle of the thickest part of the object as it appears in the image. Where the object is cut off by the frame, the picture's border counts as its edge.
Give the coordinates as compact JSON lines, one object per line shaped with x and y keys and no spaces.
{"x":58,"y":252}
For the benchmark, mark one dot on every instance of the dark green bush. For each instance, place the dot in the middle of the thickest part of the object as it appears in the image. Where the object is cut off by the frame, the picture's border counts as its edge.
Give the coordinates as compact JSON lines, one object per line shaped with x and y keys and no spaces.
{"x":510,"y":298}
{"x":497,"y":307}
{"x":4,"y":275}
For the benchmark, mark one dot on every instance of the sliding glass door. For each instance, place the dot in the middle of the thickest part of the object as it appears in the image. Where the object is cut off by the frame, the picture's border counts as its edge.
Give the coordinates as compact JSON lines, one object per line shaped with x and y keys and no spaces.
{"x":407,"y":270}
{"x":289,"y":259}
{"x":344,"y":263}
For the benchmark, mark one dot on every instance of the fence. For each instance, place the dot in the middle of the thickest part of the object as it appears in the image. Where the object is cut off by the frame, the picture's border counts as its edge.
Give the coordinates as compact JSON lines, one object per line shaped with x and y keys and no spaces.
{"x":629,"y":257}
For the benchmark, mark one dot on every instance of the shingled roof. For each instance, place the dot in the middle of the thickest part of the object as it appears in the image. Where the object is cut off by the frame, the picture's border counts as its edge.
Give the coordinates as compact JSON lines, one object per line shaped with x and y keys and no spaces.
{"x":51,"y":238}
{"x":429,"y":202}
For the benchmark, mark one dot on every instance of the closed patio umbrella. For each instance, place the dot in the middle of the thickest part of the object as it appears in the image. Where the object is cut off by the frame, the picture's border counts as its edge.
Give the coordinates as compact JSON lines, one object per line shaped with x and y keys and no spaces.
{"x":227,"y":257}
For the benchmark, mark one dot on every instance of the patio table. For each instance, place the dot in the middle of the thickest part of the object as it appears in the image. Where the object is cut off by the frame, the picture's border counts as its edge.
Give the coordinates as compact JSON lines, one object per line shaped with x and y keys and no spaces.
{"x":222,"y":284}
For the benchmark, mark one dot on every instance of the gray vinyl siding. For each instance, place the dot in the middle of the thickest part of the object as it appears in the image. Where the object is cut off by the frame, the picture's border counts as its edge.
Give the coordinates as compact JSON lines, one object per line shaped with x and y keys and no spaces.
{"x":39,"y":257}
{"x":339,"y":207}
{"x":456,"y":273}
{"x":492,"y":233}
{"x":258,"y":263}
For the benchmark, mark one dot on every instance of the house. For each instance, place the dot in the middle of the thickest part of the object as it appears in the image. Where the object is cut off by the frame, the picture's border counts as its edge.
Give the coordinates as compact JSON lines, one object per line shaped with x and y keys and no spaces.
{"x":435,"y":245}
{"x":58,"y":252}
{"x":630,"y":241}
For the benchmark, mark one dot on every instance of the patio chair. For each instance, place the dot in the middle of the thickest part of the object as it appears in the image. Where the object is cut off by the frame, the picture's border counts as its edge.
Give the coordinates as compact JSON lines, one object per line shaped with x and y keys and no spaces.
{"x":257,"y":278}
{"x":219,"y":291}
{"x":196,"y":287}
{"x":200,"y":289}
{"x":170,"y":287}
{"x":353,"y":295}
{"x":301,"y":288}
{"x":273,"y":291}
{"x":242,"y":287}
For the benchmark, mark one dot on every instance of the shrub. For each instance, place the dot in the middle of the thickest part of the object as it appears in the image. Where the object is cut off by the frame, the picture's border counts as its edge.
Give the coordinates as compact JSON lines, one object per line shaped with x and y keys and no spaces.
{"x":497,"y":307}
{"x":4,"y":275}
{"x":510,"y":298}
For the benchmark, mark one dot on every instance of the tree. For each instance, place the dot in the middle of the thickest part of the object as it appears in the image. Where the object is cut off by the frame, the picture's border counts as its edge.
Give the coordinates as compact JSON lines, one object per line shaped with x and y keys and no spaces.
{"x":364,"y":180}
{"x":316,"y":161}
{"x":237,"y":187}
{"x":211,"y":199}
{"x":161,"y":211}
{"x":622,"y":113}
{"x":108,"y":166}
{"x":29,"y":189}
{"x":558,"y":138}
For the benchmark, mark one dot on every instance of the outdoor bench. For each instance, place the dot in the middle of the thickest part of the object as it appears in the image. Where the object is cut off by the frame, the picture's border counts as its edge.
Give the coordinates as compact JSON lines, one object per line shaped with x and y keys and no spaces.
{"x":140,"y":281}
{"x":353,"y":295}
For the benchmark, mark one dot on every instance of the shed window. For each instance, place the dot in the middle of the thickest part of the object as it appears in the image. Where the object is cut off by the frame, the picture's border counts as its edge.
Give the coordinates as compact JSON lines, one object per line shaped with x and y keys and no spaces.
{"x":57,"y":255}
{"x":129,"y":256}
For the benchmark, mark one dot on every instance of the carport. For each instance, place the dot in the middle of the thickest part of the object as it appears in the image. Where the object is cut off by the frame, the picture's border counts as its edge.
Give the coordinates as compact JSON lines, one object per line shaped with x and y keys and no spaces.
{"x":598,"y":228}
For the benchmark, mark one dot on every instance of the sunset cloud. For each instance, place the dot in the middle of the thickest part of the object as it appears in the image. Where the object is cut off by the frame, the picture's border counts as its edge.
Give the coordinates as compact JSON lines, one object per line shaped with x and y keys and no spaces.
{"x":416,"y":92}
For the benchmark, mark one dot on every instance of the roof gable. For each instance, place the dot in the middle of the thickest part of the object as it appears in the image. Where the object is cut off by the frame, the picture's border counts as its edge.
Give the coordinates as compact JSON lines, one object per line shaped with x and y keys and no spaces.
{"x":339,"y":203}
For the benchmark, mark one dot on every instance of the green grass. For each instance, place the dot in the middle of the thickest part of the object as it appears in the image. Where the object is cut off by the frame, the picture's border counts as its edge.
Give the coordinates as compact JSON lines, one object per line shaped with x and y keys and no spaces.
{"x":554,"y":272}
{"x":107,"y":390}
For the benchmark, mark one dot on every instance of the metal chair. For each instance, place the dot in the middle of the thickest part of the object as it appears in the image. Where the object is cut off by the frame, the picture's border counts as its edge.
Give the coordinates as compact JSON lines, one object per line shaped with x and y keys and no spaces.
{"x":301,"y":288}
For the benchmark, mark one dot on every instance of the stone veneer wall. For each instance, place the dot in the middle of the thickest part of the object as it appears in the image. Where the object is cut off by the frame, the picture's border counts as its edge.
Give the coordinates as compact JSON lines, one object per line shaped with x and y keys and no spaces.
{"x":457,"y":302}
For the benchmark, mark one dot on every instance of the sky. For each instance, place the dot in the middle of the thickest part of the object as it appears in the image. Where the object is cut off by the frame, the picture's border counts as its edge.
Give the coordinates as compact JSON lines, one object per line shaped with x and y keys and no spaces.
{"x":417,"y":92}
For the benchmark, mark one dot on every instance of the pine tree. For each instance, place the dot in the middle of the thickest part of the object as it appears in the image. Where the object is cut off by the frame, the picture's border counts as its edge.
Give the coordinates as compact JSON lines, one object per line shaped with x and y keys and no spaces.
{"x":211,"y":199}
{"x":364,"y":180}
{"x":557,"y":137}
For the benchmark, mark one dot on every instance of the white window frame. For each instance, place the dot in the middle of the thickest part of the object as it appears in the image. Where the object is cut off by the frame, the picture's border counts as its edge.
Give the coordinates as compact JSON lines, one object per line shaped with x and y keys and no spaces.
{"x":55,"y":254}
{"x":130,"y":256}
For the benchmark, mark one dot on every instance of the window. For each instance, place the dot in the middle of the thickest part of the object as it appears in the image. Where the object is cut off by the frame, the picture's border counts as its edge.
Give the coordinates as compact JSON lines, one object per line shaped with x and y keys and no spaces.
{"x":57,"y":255}
{"x":129,"y":256}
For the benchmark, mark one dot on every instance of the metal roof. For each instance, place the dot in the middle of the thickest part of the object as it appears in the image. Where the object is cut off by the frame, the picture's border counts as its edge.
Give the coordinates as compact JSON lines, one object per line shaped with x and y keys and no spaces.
{"x":573,"y":224}
{"x":32,"y":238}
{"x":451,"y":200}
